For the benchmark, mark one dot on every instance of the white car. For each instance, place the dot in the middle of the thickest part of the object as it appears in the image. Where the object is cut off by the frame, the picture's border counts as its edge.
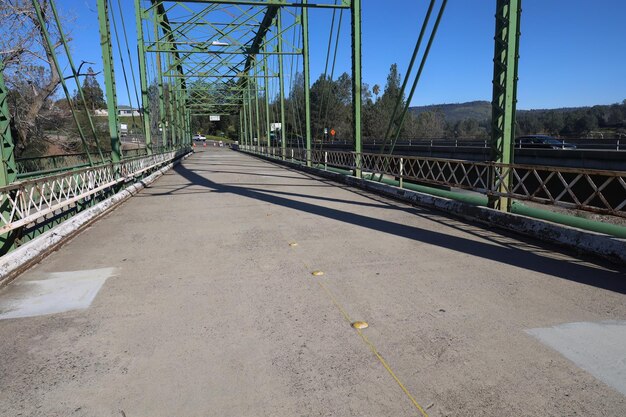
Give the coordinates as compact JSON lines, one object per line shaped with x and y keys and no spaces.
{"x":199,"y":137}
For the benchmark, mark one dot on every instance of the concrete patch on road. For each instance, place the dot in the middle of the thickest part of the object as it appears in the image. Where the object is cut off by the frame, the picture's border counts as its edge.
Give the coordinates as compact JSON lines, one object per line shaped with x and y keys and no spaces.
{"x":58,"y":293}
{"x":598,"y":348}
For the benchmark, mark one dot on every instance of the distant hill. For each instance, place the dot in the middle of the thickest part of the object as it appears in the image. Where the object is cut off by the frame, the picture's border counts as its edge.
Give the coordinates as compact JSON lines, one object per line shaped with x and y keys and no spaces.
{"x":477,"y":110}
{"x":605,"y":120}
{"x":480,"y":110}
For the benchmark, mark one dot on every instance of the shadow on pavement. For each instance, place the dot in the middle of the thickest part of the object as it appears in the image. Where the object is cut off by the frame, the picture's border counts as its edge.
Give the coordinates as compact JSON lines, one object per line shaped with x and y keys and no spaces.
{"x":588,"y":274}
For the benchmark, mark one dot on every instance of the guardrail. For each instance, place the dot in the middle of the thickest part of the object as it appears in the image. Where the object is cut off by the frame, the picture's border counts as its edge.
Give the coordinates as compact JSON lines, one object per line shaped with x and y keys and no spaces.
{"x":30,"y":202}
{"x":616,"y":144}
{"x":582,"y":189}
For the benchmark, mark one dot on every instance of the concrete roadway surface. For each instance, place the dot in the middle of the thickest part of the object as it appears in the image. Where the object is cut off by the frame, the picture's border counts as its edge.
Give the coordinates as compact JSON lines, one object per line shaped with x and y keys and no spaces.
{"x":196,"y":298}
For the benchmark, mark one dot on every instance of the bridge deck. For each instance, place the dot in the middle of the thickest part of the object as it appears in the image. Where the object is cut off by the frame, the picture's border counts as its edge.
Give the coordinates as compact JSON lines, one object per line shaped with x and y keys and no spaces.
{"x":208,"y":310}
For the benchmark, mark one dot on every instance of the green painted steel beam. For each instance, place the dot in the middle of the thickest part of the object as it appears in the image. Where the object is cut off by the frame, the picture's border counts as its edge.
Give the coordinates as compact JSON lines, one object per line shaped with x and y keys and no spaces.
{"x":506,"y":58}
{"x":8,"y":171}
{"x":267,"y":100}
{"x":143,"y":76}
{"x":281,"y":80}
{"x":307,"y":82}
{"x":355,"y":11}
{"x":343,"y":5}
{"x":109,"y":79}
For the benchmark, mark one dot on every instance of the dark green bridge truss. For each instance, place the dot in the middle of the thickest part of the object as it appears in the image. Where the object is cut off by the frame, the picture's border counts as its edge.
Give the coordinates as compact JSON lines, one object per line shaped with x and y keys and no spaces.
{"x":225,"y":58}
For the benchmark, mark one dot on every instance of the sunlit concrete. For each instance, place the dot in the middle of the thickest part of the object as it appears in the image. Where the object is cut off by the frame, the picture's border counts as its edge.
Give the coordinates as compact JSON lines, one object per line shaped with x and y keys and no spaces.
{"x":214,"y":311}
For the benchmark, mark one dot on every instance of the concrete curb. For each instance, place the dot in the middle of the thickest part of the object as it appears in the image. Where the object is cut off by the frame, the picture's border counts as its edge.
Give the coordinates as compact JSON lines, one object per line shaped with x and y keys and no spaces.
{"x":22,"y":258}
{"x":579,"y":240}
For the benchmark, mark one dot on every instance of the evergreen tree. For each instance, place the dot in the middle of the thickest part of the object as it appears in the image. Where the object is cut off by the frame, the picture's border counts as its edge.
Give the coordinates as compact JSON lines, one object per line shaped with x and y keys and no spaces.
{"x":94,"y":96}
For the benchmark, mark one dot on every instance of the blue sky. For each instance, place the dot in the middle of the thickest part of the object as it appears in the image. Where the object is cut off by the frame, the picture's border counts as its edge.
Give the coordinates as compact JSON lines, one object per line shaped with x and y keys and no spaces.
{"x":571,"y":51}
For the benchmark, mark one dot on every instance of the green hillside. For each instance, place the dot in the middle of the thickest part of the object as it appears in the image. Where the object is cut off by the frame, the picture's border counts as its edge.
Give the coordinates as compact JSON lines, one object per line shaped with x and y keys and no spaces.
{"x":476,"y":110}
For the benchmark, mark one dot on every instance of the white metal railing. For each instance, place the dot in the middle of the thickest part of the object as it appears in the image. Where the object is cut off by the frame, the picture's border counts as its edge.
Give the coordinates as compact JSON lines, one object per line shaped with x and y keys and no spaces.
{"x":27,"y":202}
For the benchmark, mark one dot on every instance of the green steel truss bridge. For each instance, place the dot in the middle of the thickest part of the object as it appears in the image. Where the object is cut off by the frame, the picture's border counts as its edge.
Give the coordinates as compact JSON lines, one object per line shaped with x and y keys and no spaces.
{"x":142,"y":277}
{"x":228,"y":58}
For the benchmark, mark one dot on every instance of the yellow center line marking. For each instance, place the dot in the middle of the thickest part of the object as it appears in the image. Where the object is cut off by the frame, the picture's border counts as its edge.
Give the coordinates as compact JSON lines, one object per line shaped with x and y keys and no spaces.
{"x":374,"y":350}
{"x":382,"y":360}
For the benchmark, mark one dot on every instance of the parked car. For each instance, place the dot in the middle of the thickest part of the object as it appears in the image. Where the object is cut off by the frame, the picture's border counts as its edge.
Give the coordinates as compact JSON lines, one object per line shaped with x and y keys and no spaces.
{"x":199,"y":137}
{"x":541,"y":142}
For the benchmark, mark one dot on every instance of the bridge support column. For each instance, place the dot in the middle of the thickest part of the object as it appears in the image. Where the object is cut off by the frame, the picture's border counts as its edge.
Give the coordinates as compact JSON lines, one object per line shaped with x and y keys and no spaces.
{"x":250,"y":130}
{"x":506,"y":57}
{"x":256,"y":102}
{"x":244,"y":118}
{"x":307,"y":81}
{"x":266,"y":90}
{"x":281,"y":80}
{"x":109,"y":79}
{"x":8,"y":168}
{"x":355,"y":10}
{"x":143,"y":77}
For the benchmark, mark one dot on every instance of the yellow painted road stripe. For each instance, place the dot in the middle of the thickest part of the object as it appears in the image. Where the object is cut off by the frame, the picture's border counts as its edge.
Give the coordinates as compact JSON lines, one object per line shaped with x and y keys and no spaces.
{"x":374,"y":351}
{"x":371,"y":346}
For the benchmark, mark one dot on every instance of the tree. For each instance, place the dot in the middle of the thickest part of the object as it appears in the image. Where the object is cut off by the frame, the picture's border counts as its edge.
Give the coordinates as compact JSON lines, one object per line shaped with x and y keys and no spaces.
{"x":378,"y":116}
{"x":94,"y":96}
{"x":430,"y":125}
{"x":376,"y":90}
{"x":28,"y":66}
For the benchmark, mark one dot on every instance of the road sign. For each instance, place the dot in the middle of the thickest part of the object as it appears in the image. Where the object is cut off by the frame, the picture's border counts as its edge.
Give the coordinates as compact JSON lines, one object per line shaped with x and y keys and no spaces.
{"x":214,"y":118}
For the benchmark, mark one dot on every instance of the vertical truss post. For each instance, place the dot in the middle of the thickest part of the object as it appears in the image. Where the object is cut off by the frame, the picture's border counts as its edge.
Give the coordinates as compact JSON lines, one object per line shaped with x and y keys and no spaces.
{"x":109,"y":79}
{"x":244,"y":119}
{"x":256,"y":101}
{"x":250,"y":130}
{"x":241,"y":126}
{"x":143,"y":76}
{"x":172,"y":103}
{"x":160,"y":85}
{"x":176,"y":111}
{"x":188,"y":127}
{"x":355,"y":9}
{"x":281,"y":80}
{"x":506,"y":57}
{"x":307,"y":80}
{"x":8,"y":170}
{"x":267,"y":97}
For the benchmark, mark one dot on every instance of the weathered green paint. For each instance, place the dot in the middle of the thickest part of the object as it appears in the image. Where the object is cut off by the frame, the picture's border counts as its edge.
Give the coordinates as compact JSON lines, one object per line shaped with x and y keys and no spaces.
{"x":506,"y":57}
{"x":8,"y":170}
{"x":143,"y":76}
{"x":250,"y":130}
{"x":266,"y":93}
{"x":109,"y":79}
{"x":256,"y":104}
{"x":307,"y":81}
{"x":357,"y":81}
{"x":161,"y":88}
{"x":281,"y":81}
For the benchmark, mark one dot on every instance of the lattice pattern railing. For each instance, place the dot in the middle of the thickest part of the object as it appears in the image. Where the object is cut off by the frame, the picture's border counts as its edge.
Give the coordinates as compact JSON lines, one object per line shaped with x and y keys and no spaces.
{"x":582,"y":189}
{"x":26,"y":202}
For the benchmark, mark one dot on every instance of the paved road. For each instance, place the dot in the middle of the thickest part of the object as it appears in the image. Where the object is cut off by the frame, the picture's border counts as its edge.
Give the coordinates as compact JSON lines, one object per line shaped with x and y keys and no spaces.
{"x":193,"y":299}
